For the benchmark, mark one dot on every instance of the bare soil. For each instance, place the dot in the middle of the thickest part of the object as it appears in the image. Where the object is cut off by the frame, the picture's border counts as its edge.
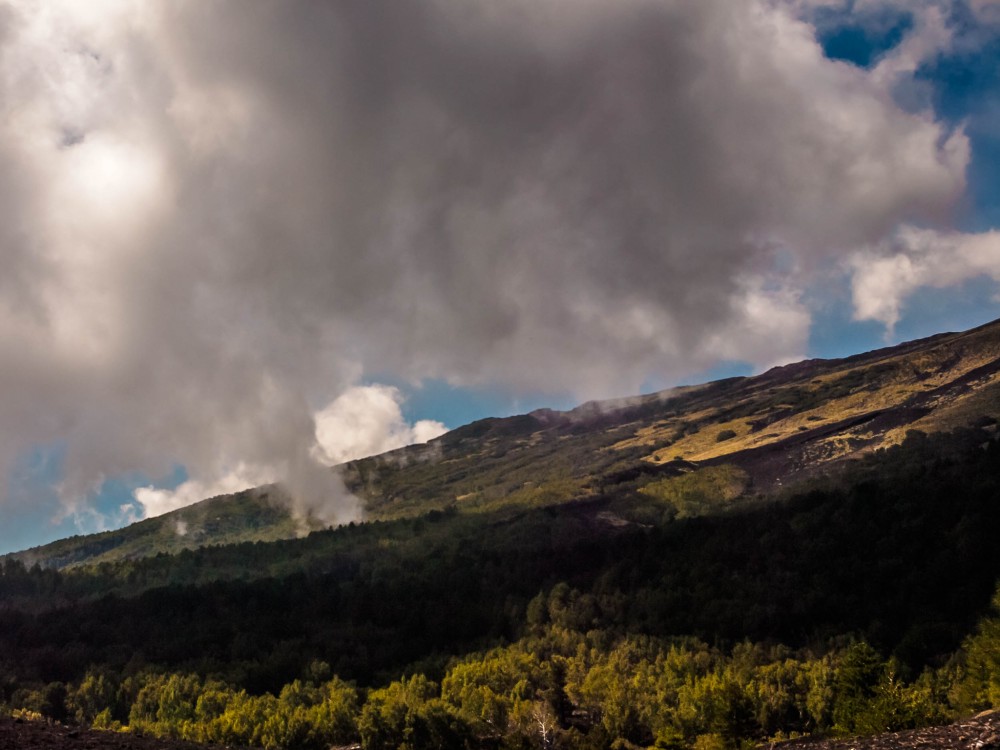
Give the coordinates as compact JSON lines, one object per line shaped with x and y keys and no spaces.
{"x":18,"y":734}
{"x":981,"y":732}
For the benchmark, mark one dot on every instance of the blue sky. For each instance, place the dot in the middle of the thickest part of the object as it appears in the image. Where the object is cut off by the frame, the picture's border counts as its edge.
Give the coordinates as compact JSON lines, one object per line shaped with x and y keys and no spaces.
{"x":485,"y":217}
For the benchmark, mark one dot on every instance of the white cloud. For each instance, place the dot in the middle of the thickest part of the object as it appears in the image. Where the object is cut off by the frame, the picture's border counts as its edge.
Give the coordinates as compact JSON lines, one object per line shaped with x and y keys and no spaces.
{"x":367,"y":420}
{"x":311,"y":490}
{"x":774,"y":327}
{"x":156,"y":502}
{"x":884,"y":277}
{"x":930,"y":36}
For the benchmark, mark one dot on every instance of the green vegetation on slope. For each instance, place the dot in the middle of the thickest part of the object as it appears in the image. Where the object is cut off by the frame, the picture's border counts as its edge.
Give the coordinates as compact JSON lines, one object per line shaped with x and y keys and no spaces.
{"x":556,"y":687}
{"x":257,"y":515}
{"x":552,"y":580}
{"x":900,"y":554}
{"x":787,"y":425}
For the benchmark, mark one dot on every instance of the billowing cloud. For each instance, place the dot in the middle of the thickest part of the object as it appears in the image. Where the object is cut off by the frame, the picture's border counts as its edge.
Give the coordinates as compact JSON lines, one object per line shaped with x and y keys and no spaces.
{"x":156,"y":502}
{"x":310,"y":490}
{"x":219,"y":215}
{"x":885,"y":276}
{"x":367,"y":420}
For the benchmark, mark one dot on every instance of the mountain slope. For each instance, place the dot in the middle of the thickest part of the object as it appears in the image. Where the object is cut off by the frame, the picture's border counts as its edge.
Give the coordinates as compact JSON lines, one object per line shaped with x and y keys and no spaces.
{"x":680,"y":452}
{"x":256,"y":515}
{"x":785,"y":425}
{"x":574,"y":568}
{"x":899,"y":551}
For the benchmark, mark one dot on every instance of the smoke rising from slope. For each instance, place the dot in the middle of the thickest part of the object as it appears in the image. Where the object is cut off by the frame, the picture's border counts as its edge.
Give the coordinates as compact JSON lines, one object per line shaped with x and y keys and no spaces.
{"x":218,"y":216}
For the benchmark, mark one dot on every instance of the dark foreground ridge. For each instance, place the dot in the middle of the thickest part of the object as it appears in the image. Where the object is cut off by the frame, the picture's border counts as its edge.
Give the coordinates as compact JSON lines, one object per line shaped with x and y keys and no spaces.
{"x":982,"y":732}
{"x":18,"y":734}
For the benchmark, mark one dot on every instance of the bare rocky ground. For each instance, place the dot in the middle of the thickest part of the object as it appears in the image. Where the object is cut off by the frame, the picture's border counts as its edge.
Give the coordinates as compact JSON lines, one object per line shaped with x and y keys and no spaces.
{"x":981,"y":732}
{"x":18,"y":734}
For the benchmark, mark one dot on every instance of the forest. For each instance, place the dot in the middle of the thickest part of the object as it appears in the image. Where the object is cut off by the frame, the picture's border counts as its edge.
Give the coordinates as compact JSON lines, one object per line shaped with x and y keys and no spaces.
{"x":857,"y":603}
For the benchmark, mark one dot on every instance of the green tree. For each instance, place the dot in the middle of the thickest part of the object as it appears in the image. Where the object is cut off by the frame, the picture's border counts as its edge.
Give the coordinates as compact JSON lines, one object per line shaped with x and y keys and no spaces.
{"x":97,"y":692}
{"x":859,"y":675}
{"x":408,"y":715}
{"x":977,"y":680}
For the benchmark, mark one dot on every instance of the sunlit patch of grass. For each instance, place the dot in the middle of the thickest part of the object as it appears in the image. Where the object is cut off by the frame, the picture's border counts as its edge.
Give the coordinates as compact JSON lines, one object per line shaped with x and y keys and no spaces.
{"x":555,"y":492}
{"x":781,"y":411}
{"x":699,"y":491}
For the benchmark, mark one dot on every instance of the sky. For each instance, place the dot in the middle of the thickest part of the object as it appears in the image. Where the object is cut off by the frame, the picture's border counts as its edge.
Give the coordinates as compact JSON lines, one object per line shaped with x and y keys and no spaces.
{"x":243,"y":240}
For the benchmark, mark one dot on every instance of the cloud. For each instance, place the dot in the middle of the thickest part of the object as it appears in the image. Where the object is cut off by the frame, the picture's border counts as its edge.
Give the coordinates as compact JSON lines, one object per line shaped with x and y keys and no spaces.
{"x":987,"y":11}
{"x":217,"y":215}
{"x":884,"y":277}
{"x":362,"y":421}
{"x":367,"y":420}
{"x":774,"y":323}
{"x":156,"y":502}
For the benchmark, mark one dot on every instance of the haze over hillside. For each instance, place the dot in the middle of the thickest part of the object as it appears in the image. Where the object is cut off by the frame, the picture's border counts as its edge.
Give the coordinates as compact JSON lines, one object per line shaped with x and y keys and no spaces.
{"x":742,"y":437}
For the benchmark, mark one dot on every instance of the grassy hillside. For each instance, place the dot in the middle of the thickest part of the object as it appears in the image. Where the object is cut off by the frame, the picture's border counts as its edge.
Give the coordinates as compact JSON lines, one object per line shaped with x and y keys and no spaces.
{"x":789,"y":424}
{"x":257,"y":515}
{"x":764,"y":434}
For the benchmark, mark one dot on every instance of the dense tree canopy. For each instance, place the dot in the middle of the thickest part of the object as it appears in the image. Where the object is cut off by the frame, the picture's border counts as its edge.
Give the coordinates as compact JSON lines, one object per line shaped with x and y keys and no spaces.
{"x":548,"y":627}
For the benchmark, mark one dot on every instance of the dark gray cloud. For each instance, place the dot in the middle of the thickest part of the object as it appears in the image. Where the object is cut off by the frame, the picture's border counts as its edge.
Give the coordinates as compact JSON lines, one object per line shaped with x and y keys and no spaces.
{"x":489,"y":178}
{"x":261,"y":202}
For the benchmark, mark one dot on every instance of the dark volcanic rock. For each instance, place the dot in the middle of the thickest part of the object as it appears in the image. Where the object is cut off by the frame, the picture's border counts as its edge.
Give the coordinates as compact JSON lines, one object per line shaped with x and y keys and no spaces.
{"x":981,"y":732}
{"x":16,"y":734}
